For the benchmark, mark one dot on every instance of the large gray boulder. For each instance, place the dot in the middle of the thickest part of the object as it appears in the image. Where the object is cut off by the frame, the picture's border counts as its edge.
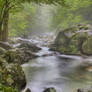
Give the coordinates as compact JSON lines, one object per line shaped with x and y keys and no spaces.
{"x":75,"y":40}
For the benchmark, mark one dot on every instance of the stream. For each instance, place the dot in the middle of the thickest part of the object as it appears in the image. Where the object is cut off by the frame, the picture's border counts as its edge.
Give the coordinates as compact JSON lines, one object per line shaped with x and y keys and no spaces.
{"x":63,"y":72}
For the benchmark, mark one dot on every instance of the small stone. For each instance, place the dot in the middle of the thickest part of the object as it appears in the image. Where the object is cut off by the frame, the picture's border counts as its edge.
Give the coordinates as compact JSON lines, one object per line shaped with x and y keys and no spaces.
{"x":50,"y":90}
{"x":28,"y":90}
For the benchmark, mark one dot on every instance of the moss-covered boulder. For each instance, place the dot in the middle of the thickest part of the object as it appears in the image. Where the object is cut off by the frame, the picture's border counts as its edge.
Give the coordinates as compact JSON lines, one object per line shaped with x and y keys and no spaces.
{"x":19,"y":56}
{"x":75,"y":40}
{"x":13,"y":56}
{"x":29,"y":46}
{"x":2,"y":51}
{"x":11,"y":75}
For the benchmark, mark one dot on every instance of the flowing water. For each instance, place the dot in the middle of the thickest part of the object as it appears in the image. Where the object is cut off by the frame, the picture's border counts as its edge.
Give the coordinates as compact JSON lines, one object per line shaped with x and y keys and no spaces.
{"x":63,"y":72}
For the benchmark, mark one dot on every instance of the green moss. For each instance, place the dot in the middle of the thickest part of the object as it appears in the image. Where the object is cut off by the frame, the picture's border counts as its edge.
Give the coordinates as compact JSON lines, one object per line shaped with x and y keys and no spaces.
{"x":83,"y":27}
{"x":7,"y":89}
{"x":87,"y":46}
{"x":74,"y":41}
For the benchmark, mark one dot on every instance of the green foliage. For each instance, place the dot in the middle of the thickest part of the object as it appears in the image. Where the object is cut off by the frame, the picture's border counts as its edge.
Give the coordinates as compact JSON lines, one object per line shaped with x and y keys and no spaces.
{"x":20,"y":23}
{"x":7,"y":89}
{"x":64,"y":17}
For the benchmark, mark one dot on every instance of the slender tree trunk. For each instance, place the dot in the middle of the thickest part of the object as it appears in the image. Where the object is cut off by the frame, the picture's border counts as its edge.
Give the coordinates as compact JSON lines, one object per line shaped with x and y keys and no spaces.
{"x":5,"y":29}
{"x":4,"y":24}
{"x":0,"y":32}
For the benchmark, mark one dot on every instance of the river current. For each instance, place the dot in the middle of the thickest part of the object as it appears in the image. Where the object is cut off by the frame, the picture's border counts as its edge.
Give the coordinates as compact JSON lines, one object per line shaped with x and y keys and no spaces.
{"x":63,"y":72}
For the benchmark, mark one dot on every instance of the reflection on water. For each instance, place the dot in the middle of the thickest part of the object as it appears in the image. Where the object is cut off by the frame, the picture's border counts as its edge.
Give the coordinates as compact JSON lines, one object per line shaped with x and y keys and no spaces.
{"x":65,"y":74}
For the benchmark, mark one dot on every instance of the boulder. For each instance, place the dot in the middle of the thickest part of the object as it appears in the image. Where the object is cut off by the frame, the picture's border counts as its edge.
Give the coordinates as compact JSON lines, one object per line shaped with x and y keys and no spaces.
{"x":12,"y":75}
{"x":50,"y":90}
{"x":5,"y":45}
{"x":2,"y":51}
{"x":13,"y":56}
{"x":75,"y":40}
{"x":19,"y":56}
{"x":29,"y":46}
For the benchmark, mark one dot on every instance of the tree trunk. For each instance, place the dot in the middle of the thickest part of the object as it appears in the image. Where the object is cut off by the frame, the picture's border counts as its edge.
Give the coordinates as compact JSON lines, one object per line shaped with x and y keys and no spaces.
{"x":5,"y":29}
{"x":4,"y":24}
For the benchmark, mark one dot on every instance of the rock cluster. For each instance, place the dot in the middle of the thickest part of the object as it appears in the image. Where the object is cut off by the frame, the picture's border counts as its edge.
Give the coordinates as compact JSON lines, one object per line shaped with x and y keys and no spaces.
{"x":11,"y":73}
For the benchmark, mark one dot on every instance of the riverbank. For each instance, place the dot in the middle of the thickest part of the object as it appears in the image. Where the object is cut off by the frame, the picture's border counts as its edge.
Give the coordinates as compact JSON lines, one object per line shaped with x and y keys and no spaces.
{"x":39,"y":63}
{"x":12,"y":55}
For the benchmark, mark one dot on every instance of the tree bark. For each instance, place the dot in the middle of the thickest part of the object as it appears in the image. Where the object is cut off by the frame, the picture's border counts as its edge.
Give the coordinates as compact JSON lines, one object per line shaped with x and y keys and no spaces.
{"x":4,"y":24}
{"x":5,"y":29}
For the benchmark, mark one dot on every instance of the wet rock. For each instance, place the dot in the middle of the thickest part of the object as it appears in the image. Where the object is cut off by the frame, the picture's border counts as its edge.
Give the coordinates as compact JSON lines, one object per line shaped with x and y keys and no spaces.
{"x":5,"y":45}
{"x":50,"y":90}
{"x":79,"y":90}
{"x":29,"y":46}
{"x":28,"y":90}
{"x":2,"y":51}
{"x":89,"y":89}
{"x":13,"y":56}
{"x":75,"y":40}
{"x":27,"y":55}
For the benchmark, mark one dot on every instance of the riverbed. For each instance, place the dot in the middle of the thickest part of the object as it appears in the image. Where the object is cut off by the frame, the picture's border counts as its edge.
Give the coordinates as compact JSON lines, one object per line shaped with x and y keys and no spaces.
{"x":63,"y":72}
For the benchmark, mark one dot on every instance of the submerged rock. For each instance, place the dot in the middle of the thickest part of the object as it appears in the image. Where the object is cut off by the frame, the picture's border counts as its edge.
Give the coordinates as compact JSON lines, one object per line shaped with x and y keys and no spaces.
{"x":50,"y":90}
{"x":75,"y":40}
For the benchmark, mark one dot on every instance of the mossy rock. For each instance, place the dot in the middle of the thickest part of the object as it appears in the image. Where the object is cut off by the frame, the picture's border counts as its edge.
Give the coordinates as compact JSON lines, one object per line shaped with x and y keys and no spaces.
{"x":19,"y":56}
{"x":13,"y":56}
{"x":5,"y":45}
{"x":2,"y":51}
{"x":29,"y":46}
{"x":87,"y":46}
{"x":75,"y":40}
{"x":13,"y":75}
